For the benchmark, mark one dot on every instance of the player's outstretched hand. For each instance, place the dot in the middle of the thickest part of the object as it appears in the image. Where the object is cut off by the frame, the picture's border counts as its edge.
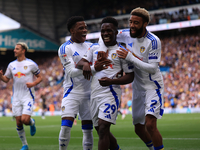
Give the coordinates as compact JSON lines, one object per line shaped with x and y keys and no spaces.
{"x":102,"y":64}
{"x":105,"y":81}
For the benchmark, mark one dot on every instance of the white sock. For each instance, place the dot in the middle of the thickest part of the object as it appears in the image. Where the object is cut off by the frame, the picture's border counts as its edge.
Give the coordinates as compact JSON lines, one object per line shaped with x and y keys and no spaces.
{"x":87,"y":139}
{"x":64,"y":137}
{"x":150,"y":145}
{"x":22,"y":136}
{"x":151,"y":148}
{"x":32,"y":122}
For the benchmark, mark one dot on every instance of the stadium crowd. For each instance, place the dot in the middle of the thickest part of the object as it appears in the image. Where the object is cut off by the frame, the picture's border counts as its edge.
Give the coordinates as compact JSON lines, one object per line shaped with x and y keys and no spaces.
{"x":120,"y":8}
{"x":180,"y":52}
{"x":114,"y":8}
{"x":157,"y":18}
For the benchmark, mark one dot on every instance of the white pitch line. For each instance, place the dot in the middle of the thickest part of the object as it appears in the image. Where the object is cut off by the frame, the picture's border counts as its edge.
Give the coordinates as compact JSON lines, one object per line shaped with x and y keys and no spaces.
{"x":49,"y":126}
{"x":123,"y":138}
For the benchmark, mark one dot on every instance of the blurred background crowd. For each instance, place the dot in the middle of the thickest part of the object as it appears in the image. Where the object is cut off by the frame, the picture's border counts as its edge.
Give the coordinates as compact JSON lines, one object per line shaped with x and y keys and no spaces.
{"x":114,"y":8}
{"x":180,"y":61}
{"x":161,"y":11}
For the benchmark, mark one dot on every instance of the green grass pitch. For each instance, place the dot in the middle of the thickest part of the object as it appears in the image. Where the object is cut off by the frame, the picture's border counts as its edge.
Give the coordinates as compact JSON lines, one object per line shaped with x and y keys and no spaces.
{"x":179,"y":131}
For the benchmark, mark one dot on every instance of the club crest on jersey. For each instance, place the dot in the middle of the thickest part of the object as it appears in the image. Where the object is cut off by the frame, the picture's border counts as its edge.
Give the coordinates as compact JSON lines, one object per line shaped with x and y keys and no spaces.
{"x":63,"y":108}
{"x":25,"y":67}
{"x":114,"y":55}
{"x":142,"y":49}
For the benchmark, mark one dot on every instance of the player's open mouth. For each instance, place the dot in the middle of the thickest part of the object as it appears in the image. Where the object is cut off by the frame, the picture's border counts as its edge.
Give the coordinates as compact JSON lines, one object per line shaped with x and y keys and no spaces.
{"x":84,"y":35}
{"x":133,"y":31}
{"x":106,"y":39}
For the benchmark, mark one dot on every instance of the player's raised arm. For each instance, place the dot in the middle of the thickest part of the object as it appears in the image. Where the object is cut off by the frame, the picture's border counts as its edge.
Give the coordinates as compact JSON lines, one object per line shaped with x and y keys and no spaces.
{"x":127,"y":55}
{"x":3,"y":77}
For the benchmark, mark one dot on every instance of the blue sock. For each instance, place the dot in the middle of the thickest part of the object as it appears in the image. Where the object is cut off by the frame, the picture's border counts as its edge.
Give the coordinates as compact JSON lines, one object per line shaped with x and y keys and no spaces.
{"x":118,"y":148}
{"x":149,"y":144}
{"x":68,"y":123}
{"x":19,"y":128}
{"x":159,"y":148}
{"x":87,"y":127}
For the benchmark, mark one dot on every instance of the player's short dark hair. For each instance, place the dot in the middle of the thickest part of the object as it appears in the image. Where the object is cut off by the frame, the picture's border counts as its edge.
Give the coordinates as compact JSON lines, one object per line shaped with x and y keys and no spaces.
{"x":110,"y":20}
{"x":73,"y":20}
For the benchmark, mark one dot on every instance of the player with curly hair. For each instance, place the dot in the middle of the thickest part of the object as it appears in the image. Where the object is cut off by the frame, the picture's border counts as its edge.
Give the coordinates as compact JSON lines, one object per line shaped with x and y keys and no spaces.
{"x":148,"y":87}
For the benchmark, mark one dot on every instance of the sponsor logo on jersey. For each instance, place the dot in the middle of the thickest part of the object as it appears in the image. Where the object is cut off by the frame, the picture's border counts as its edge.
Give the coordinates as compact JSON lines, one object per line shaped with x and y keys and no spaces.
{"x":142,"y":49}
{"x":25,"y":67}
{"x":114,"y":55}
{"x":19,"y":75}
{"x":111,"y":66}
